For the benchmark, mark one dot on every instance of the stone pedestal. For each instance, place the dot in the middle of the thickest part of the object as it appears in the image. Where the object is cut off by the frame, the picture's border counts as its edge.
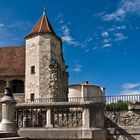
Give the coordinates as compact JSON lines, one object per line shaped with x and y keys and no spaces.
{"x":8,"y":118}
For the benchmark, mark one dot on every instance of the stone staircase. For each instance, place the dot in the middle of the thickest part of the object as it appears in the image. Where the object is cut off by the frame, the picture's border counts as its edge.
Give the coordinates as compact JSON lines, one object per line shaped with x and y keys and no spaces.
{"x":10,"y":136}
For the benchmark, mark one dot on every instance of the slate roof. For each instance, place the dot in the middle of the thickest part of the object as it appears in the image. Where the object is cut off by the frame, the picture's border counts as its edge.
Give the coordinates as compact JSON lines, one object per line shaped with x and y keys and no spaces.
{"x":12,"y":61}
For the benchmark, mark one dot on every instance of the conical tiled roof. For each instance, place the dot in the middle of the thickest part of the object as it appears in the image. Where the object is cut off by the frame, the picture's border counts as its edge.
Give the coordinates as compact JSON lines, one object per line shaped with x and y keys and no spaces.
{"x":42,"y":26}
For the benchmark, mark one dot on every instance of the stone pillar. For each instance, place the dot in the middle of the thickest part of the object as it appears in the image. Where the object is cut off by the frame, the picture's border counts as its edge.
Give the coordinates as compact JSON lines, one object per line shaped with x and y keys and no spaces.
{"x":49,"y":118}
{"x":7,"y":83}
{"x":82,"y":90}
{"x":86,"y":117}
{"x":8,"y":118}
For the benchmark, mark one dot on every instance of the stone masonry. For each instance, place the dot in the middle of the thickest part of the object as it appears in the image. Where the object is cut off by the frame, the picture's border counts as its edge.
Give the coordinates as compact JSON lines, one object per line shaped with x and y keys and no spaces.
{"x":123,"y":118}
{"x":44,"y":53}
{"x":122,"y":125}
{"x":47,"y":81}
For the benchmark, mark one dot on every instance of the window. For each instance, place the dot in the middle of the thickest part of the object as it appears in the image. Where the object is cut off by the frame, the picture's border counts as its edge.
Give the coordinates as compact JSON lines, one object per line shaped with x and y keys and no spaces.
{"x":32,"y":69}
{"x":17,"y":86}
{"x":32,"y":97}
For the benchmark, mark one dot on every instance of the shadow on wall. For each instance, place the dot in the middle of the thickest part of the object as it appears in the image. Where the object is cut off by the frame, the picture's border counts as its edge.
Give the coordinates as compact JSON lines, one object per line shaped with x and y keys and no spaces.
{"x":115,"y":132}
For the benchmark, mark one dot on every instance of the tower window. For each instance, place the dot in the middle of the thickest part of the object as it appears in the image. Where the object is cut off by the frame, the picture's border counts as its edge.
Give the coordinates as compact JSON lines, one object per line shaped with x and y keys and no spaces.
{"x":32,"y":69}
{"x":32,"y":97}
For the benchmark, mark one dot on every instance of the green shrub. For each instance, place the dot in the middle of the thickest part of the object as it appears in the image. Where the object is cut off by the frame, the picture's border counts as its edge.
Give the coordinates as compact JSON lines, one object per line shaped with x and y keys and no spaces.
{"x":120,"y":105}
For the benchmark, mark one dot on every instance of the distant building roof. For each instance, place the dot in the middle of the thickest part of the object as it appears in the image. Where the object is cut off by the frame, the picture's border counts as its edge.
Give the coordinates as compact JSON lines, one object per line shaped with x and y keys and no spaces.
{"x":42,"y":26}
{"x":12,"y":61}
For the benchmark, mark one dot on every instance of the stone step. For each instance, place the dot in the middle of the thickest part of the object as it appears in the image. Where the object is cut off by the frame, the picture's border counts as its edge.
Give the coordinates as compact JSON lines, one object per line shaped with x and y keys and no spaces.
{"x":14,"y":138}
{"x":7,"y":134}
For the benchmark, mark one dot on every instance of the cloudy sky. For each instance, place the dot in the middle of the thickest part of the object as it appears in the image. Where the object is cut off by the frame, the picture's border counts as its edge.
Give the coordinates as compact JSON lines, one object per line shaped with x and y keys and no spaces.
{"x":101,"y":38}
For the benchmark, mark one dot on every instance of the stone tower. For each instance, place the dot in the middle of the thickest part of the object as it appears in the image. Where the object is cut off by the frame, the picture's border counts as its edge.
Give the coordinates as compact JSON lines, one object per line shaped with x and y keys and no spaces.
{"x":46,"y":75}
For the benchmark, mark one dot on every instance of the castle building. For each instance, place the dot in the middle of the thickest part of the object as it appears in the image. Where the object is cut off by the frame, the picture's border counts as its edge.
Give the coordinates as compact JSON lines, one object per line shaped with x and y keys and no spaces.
{"x":12,"y":68}
{"x":38,"y":69}
{"x":40,"y":64}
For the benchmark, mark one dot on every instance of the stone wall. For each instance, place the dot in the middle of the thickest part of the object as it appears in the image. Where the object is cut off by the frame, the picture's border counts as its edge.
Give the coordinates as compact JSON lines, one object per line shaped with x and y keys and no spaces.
{"x":32,"y":59}
{"x":52,"y":68}
{"x":123,"y":118}
{"x":50,"y":79}
{"x":122,"y":125}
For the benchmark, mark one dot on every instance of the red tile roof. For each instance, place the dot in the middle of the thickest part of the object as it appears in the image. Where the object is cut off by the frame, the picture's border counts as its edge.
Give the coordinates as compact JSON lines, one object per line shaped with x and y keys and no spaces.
{"x":42,"y":26}
{"x":12,"y":61}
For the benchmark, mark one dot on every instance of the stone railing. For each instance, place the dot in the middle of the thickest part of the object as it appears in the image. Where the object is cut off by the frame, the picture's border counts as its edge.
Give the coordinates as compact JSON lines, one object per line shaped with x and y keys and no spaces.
{"x":93,"y":99}
{"x":56,"y":114}
{"x":63,"y":120}
{"x":126,"y":98}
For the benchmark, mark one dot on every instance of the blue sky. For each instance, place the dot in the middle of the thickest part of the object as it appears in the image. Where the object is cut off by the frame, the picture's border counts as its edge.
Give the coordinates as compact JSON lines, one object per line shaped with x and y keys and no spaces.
{"x":100,"y":37}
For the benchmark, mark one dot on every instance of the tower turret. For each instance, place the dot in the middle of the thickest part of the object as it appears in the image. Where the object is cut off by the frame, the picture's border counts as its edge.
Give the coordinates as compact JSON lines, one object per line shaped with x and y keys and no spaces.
{"x":46,"y":75}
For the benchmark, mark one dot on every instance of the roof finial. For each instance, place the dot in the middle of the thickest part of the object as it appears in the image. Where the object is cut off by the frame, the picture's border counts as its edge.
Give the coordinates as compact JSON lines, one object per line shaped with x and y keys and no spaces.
{"x":44,"y":11}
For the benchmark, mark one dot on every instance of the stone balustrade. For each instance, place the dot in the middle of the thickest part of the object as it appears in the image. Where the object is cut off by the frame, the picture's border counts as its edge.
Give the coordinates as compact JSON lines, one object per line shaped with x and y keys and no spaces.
{"x":62,"y":120}
{"x":56,"y":114}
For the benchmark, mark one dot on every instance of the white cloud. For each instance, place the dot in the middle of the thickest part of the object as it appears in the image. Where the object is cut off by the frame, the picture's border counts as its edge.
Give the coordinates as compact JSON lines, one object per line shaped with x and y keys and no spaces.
{"x":116,"y":28}
{"x":130,"y":89}
{"x":105,"y":34}
{"x":94,"y":48}
{"x":84,"y":44}
{"x":130,"y":85}
{"x":119,"y":37}
{"x":69,"y":40}
{"x":66,"y":36}
{"x":107,"y":45}
{"x":117,"y":15}
{"x":130,"y":92}
{"x":65,"y":31}
{"x":59,"y":18}
{"x":106,"y":40}
{"x":124,"y":8}
{"x":78,"y":68}
{"x":123,"y":27}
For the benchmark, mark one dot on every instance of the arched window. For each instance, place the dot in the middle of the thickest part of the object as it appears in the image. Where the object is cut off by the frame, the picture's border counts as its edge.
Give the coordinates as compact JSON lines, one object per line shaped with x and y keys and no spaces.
{"x":2,"y":86}
{"x":17,"y":86}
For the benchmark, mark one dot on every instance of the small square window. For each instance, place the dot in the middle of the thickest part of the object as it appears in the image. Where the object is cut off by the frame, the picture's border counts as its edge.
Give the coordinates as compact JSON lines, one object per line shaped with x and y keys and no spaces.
{"x":32,"y":69}
{"x":32,"y":97}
